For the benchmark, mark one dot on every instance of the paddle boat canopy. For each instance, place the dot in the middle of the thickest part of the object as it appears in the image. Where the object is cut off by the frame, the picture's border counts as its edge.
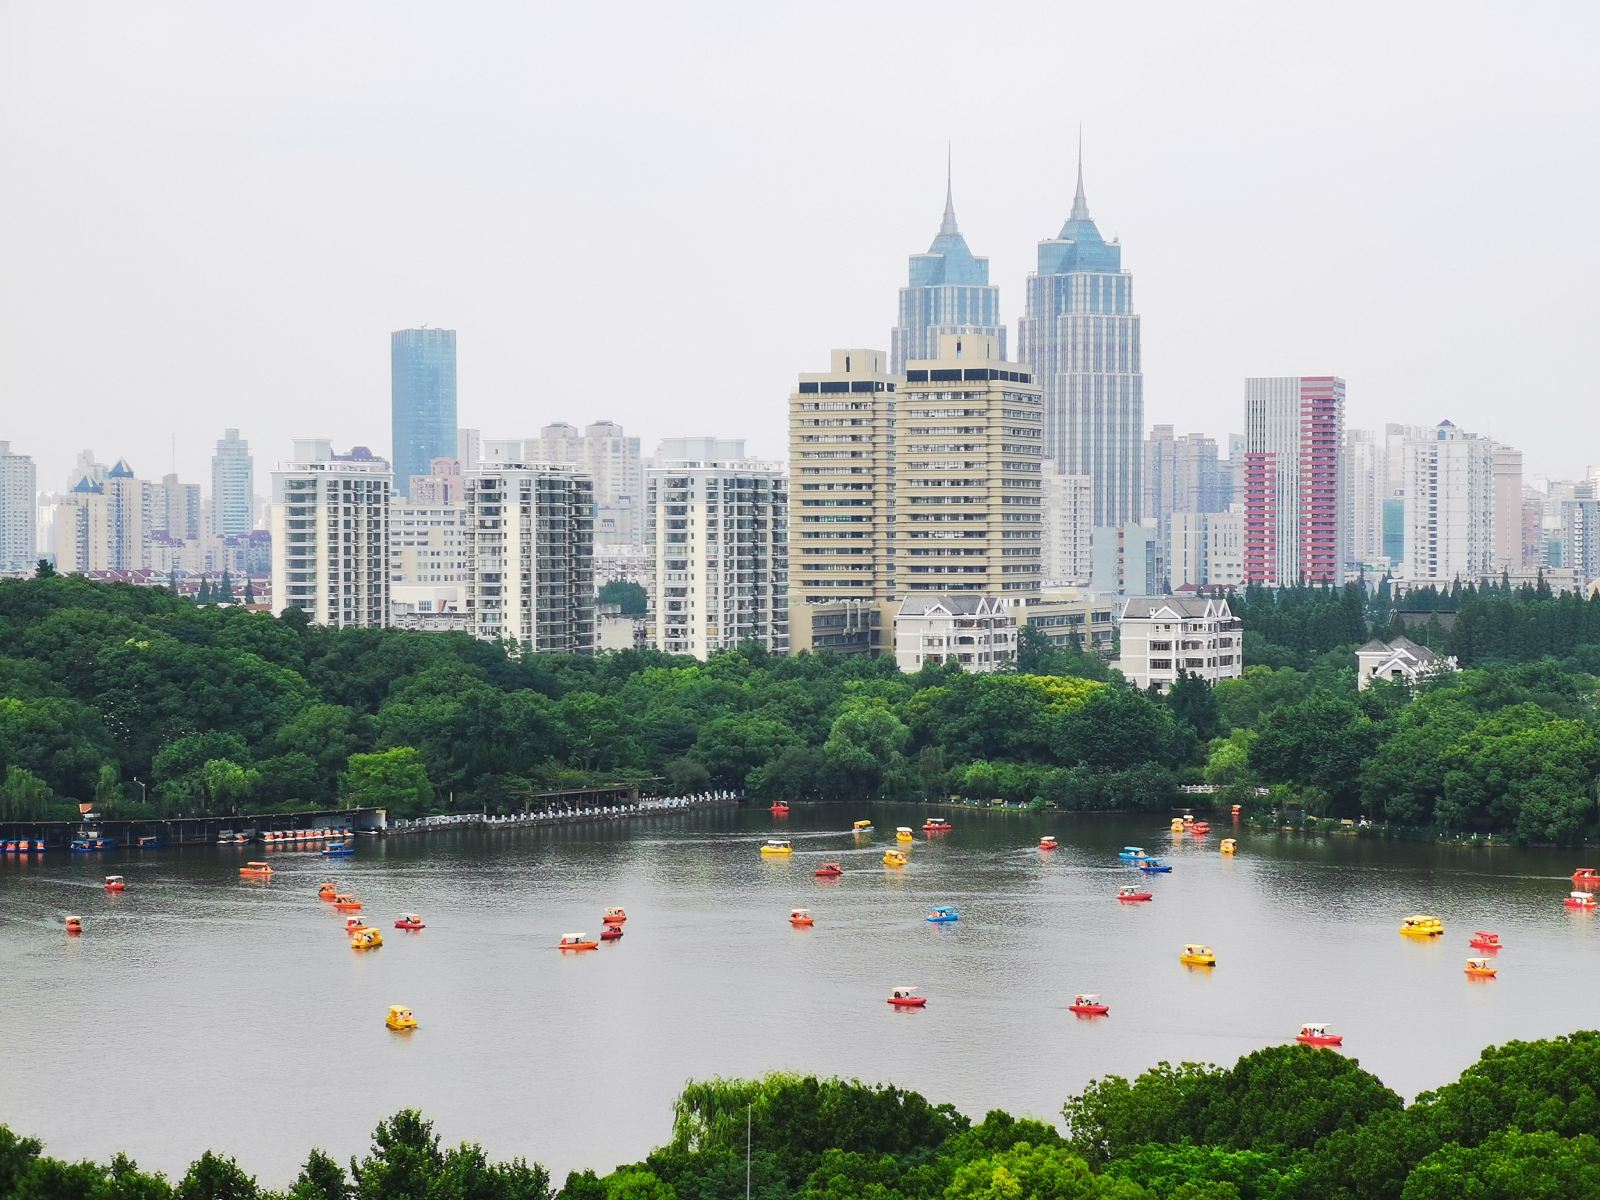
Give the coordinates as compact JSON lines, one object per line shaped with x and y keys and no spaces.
{"x":894,"y":858}
{"x":615,"y":915}
{"x":829,"y":870}
{"x":1229,"y":846}
{"x":1087,"y":1004}
{"x":906,"y":997}
{"x":1484,"y":940}
{"x":366,"y":938}
{"x":577,"y":941}
{"x":942,"y":914}
{"x":400,"y":1017}
{"x":115,"y":883}
{"x":255,"y":870}
{"x":1131,"y":853}
{"x":409,"y":921}
{"x":777,"y":847}
{"x":1131,"y":894}
{"x":1198,"y":956}
{"x":1481,"y":968}
{"x":800,"y":918}
{"x":1579,"y":900}
{"x":1422,"y":926}
{"x":1314,"y":1033}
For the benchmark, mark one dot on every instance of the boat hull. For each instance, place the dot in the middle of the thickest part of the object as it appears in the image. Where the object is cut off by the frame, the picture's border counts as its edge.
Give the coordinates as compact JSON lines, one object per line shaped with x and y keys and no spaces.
{"x":909,"y":1002}
{"x":1335,"y":1040}
{"x":1136,"y":898}
{"x":1089,"y":1010}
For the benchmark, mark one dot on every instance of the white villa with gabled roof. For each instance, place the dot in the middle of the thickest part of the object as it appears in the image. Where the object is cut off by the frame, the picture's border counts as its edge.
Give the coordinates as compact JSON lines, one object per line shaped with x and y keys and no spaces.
{"x":1163,"y":636}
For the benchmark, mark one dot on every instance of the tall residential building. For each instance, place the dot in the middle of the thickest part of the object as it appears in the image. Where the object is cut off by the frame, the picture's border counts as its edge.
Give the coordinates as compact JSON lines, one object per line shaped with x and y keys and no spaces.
{"x":841,"y":482}
{"x":1294,"y":427}
{"x":968,"y":463}
{"x":1205,"y":550}
{"x":1080,"y":335}
{"x":1580,"y":537}
{"x":1128,"y":561}
{"x":720,"y":529}
{"x":1182,"y":474}
{"x":105,"y":523}
{"x":422,"y":391}
{"x":698,"y":449}
{"x":1449,"y":506}
{"x":330,"y":535}
{"x":428,"y":561}
{"x":1067,"y":509}
{"x":175,"y":509}
{"x":19,"y":491}
{"x":530,"y":555}
{"x":233,"y":485}
{"x":1508,"y":548}
{"x":948,"y":292}
{"x":1364,"y":483}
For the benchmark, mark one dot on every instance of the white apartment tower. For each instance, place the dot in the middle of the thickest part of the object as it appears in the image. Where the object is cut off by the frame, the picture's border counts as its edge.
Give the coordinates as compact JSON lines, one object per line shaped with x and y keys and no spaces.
{"x":1449,"y":506}
{"x":19,"y":489}
{"x":530,"y":555}
{"x":720,"y":529}
{"x":330,"y":535}
{"x":1068,"y":526}
{"x":232,"y":486}
{"x":1364,"y":482}
{"x":1508,"y":549}
{"x":428,"y":561}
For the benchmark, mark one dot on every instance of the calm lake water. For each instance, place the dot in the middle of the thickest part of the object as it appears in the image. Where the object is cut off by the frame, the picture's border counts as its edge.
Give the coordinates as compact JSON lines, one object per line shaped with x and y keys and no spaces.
{"x":197,"y":1011}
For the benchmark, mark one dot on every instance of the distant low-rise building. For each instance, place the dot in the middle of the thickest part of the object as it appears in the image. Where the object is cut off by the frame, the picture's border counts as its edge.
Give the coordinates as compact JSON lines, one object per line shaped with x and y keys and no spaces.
{"x":977,"y":631}
{"x":1401,"y":659}
{"x":1164,"y":636}
{"x":1072,"y":619}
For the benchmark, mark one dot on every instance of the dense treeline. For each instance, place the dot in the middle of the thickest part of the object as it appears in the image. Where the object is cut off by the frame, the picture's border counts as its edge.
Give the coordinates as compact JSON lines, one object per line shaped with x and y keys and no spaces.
{"x":146,"y":704}
{"x":1285,"y":1123}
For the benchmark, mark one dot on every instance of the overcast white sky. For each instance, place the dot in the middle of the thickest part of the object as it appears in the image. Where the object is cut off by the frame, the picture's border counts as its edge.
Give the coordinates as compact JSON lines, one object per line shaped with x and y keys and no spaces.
{"x":213,"y":214}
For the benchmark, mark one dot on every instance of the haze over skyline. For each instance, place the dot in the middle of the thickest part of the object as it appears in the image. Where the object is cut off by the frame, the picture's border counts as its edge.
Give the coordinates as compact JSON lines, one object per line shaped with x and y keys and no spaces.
{"x":662,"y":216}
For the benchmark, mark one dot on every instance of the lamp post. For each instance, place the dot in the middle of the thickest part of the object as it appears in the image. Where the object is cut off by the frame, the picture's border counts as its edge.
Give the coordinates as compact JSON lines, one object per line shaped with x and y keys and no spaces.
{"x":142,"y":789}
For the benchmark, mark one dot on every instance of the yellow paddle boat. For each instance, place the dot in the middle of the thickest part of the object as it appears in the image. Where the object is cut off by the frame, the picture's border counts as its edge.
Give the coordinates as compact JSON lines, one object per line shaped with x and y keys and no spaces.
{"x":365,"y":938}
{"x":903,"y":834}
{"x":1229,"y":846}
{"x":1422,"y":926}
{"x":894,"y":858}
{"x":400,"y":1017}
{"x":1198,"y":956}
{"x":777,"y":848}
{"x":1480,"y":968}
{"x":1177,"y":824}
{"x":861,"y":827}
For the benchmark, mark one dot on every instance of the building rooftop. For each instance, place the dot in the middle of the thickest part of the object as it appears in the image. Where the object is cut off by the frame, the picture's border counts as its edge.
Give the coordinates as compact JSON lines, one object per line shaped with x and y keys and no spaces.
{"x":957,"y":604}
{"x":1175,"y":608}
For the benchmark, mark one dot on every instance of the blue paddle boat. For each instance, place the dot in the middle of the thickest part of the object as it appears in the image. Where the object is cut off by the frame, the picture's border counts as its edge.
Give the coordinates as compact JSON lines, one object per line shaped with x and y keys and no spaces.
{"x":942,"y":914}
{"x":1154,"y":866}
{"x":338,"y":849}
{"x":1132,"y":854}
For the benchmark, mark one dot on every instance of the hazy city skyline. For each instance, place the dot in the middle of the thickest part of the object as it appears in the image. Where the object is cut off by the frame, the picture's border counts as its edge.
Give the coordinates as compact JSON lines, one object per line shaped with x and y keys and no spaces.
{"x":216,"y":220}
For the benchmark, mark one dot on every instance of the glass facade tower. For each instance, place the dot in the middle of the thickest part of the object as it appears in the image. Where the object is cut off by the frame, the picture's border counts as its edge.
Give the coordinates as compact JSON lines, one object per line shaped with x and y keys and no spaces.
{"x":1081,"y":336}
{"x":948,"y":292}
{"x":422,"y":380}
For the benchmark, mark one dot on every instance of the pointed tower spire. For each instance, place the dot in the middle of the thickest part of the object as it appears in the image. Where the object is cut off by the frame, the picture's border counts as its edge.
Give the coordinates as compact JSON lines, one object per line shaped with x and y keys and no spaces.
{"x":948,"y":225}
{"x":1080,"y":206}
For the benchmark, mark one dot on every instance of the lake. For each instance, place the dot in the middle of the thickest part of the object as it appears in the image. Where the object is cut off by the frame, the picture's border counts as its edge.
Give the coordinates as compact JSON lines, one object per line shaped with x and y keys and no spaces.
{"x":197,"y":1011}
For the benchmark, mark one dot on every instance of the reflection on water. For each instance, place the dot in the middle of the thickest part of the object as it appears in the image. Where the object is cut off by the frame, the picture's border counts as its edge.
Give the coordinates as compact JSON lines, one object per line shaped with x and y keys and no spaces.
{"x":199,"y":1011}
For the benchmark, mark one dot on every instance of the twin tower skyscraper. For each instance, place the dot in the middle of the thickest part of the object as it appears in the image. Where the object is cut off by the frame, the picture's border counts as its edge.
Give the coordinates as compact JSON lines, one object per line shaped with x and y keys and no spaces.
{"x":1078,"y":333}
